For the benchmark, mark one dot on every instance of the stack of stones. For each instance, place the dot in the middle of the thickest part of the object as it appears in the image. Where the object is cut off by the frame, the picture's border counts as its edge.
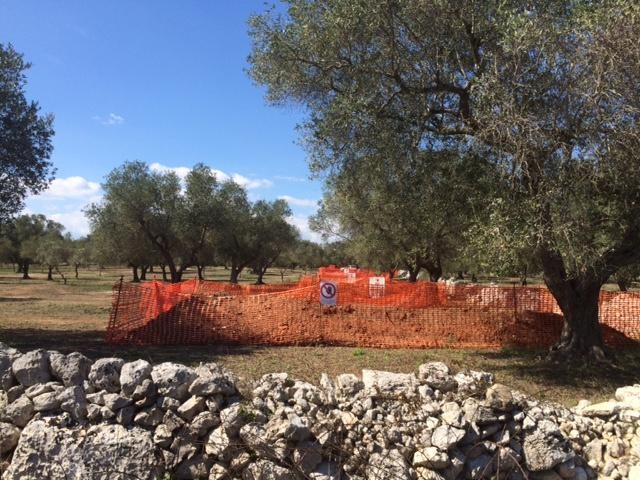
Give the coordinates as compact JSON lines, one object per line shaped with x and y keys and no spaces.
{"x":63,"y":416}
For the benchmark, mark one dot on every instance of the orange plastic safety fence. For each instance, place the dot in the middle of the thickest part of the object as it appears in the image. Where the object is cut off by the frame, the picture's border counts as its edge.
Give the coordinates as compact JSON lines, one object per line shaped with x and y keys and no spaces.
{"x":396,"y":315}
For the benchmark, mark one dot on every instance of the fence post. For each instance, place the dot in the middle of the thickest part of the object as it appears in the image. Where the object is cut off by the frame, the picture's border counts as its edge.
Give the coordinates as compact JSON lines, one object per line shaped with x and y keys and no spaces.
{"x":515,"y":302}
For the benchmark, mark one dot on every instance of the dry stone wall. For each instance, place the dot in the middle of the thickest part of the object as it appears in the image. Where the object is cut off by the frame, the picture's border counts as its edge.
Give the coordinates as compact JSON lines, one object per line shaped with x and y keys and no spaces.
{"x":65,"y":417}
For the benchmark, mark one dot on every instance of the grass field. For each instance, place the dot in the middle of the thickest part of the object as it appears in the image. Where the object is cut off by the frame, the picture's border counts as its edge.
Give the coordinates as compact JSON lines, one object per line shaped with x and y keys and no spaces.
{"x":40,"y":314}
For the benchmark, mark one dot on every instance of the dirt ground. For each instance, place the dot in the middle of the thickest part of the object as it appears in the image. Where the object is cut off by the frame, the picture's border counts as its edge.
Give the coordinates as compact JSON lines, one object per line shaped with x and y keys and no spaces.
{"x":40,"y":314}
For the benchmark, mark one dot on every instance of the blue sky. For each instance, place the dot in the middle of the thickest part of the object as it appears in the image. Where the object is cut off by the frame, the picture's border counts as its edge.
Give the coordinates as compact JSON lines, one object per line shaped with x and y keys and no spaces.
{"x":160,"y":81}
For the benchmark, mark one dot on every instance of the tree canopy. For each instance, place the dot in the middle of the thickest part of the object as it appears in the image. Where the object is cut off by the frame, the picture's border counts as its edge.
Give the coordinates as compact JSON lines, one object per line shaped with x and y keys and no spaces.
{"x":547,"y":91}
{"x":25,"y":137}
{"x":22,"y":238}
{"x":148,"y":215}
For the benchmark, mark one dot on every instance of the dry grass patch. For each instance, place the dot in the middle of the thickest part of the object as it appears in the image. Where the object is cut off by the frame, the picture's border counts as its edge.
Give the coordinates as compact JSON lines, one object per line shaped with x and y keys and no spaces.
{"x":73,"y":317}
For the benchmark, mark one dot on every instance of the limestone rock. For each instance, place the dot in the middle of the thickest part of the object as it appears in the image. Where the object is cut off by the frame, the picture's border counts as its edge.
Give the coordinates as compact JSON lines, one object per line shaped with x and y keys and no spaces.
{"x":105,"y":374}
{"x":46,"y":402}
{"x":191,"y":408}
{"x":500,"y":397}
{"x":266,"y":470}
{"x":389,"y":383}
{"x":452,"y":415}
{"x":47,"y":451}
{"x":149,"y":418}
{"x":348,"y":384}
{"x":203,"y":423}
{"x":9,"y":435}
{"x":445,"y":437}
{"x":234,"y":417}
{"x":392,"y":464}
{"x":132,"y":374}
{"x":603,"y":409}
{"x":72,"y":369}
{"x":424,"y":473}
{"x":436,"y":375}
{"x":32,"y":368}
{"x":173,"y":380}
{"x":544,"y":450}
{"x":212,"y":379}
{"x":193,"y":468}
{"x":7,"y":379}
{"x":73,"y":401}
{"x":430,"y":457}
{"x":115,"y":401}
{"x":218,"y":443}
{"x":19,"y":412}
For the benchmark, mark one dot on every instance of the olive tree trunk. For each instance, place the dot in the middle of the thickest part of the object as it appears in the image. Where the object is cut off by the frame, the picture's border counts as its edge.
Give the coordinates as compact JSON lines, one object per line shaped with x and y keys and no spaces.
{"x":578,"y":299}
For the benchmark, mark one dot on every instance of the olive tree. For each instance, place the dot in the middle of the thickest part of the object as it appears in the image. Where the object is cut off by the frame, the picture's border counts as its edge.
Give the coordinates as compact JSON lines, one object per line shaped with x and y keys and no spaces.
{"x":25,"y":137}
{"x":548,"y":90}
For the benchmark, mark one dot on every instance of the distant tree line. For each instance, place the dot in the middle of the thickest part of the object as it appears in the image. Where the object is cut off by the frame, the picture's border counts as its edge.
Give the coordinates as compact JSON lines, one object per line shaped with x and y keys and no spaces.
{"x":150,"y":218}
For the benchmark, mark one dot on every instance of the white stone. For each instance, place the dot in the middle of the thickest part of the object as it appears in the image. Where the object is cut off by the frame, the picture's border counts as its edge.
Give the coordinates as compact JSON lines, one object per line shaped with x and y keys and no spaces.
{"x":389,"y":383}
{"x":32,"y":368}
{"x":44,"y":451}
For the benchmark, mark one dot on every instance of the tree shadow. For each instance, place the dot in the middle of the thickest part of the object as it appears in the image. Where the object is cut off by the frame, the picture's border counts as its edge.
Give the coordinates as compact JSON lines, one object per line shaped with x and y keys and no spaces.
{"x":19,"y":299}
{"x":92,"y":344}
{"x":533,"y":364}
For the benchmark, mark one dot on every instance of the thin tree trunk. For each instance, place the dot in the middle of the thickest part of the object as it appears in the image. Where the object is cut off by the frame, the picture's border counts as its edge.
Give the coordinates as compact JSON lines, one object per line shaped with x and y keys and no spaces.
{"x":413,"y":274}
{"x":50,"y":273}
{"x":200,"y":272}
{"x":75,"y":266}
{"x":64,"y":279}
{"x":260,"y":272}
{"x":163,"y":267}
{"x":235,"y":273}
{"x":143,"y":272}
{"x":623,"y":285}
{"x":134,"y":270}
{"x":25,"y":271}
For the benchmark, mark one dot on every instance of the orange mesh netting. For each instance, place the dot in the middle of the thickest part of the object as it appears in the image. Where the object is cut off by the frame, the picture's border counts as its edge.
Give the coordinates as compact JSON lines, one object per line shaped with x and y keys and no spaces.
{"x":396,"y":315}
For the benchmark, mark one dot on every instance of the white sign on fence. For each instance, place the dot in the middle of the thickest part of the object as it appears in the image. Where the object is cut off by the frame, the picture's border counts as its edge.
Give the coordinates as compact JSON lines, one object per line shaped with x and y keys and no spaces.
{"x":376,"y":287}
{"x":351,"y":277}
{"x":328,"y":293}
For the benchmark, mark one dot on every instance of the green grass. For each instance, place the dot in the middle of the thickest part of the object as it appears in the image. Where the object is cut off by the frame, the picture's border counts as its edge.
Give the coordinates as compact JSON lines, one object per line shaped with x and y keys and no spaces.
{"x":40,"y":314}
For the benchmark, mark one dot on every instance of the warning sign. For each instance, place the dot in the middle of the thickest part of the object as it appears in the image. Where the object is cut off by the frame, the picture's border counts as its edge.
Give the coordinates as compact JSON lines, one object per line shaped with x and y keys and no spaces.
{"x":328,"y":293}
{"x":376,"y":287}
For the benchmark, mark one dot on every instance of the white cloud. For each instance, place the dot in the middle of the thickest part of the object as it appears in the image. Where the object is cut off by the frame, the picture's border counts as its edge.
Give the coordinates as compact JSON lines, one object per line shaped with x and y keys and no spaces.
{"x":248,"y":183}
{"x":72,"y":187}
{"x":302,"y":223}
{"x":290,"y":179}
{"x":110,"y":120}
{"x":74,"y":222}
{"x":299,"y":202}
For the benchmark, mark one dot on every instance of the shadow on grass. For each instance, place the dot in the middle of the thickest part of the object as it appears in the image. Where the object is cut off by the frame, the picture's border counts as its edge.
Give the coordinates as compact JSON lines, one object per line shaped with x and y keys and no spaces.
{"x":533,"y":365}
{"x":19,"y":299}
{"x":93,"y":345}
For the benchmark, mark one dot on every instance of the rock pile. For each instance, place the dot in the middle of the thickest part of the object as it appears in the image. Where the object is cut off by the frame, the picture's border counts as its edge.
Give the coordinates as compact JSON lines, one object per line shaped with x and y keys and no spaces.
{"x":63,"y":416}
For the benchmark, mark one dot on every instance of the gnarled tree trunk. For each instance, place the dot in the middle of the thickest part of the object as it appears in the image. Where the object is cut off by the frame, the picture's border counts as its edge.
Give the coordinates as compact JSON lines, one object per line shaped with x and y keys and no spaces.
{"x":578,"y":300}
